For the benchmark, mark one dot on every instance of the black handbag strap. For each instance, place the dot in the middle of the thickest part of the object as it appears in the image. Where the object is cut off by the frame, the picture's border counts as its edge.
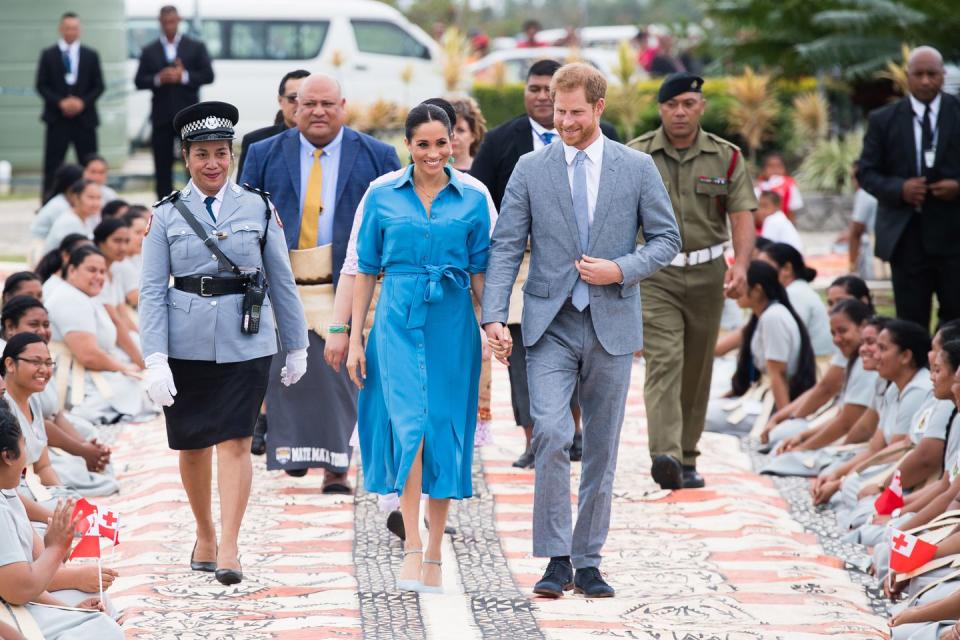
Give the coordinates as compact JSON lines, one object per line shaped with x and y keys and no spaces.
{"x":207,"y":240}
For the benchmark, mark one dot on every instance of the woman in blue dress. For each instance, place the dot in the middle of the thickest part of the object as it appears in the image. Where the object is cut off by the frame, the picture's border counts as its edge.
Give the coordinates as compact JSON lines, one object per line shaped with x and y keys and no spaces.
{"x":429,"y":235}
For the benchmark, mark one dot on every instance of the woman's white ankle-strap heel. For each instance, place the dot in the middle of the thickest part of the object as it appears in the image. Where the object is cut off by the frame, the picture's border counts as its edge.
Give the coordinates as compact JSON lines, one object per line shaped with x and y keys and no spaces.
{"x":428,"y":588}
{"x":410,"y":584}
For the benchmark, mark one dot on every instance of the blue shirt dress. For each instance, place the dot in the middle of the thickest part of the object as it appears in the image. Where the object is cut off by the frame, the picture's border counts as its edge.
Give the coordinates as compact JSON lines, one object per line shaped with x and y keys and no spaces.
{"x":423,"y":353}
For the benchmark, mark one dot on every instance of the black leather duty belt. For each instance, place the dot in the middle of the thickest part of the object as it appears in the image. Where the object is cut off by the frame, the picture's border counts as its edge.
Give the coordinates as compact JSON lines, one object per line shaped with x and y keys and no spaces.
{"x":209,"y":286}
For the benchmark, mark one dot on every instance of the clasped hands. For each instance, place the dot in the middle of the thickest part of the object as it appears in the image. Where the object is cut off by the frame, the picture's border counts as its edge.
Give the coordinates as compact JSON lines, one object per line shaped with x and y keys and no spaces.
{"x":71,"y":106}
{"x":915,"y":190}
{"x":172,"y":74}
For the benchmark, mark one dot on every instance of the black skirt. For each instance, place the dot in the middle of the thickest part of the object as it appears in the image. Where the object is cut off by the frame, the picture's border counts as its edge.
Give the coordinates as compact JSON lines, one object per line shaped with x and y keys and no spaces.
{"x":215,"y":402}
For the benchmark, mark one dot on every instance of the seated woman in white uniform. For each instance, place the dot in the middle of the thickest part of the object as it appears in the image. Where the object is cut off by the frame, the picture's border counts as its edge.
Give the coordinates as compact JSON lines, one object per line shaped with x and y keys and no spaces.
{"x":80,"y":462}
{"x":902,"y":362}
{"x":928,"y":433}
{"x":55,"y":204}
{"x":775,"y":344}
{"x":84,"y":213}
{"x":111,"y":387}
{"x":112,"y":238}
{"x":29,"y":565}
{"x":22,"y":283}
{"x":51,"y":264}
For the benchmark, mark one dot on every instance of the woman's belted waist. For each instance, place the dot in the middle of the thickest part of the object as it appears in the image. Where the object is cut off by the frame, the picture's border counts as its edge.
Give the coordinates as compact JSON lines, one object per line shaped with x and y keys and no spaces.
{"x":429,"y":287}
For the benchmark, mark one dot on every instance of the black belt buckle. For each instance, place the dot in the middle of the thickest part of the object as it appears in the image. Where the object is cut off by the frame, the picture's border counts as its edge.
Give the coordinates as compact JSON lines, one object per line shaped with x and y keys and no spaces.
{"x":203,"y":292}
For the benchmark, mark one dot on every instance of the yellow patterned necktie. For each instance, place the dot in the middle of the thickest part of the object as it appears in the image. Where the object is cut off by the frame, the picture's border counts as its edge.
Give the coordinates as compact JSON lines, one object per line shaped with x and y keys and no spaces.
{"x":312,"y":204}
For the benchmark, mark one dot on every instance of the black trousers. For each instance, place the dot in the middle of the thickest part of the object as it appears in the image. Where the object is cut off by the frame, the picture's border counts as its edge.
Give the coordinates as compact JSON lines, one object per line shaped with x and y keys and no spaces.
{"x":162,"y":139}
{"x":57,"y":140}
{"x":918,"y":276}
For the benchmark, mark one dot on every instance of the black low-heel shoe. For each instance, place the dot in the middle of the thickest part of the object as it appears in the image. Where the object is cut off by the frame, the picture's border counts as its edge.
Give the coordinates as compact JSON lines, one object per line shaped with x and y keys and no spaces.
{"x":229,"y":576}
{"x":201,"y":566}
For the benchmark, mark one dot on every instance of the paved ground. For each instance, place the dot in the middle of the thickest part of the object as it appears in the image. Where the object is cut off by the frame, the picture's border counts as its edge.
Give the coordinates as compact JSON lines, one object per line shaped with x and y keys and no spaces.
{"x":726,"y":562}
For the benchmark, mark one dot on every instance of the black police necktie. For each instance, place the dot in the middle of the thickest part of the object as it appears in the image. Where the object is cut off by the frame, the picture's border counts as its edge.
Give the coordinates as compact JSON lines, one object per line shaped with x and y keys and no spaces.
{"x":926,"y":139}
{"x":66,"y":60}
{"x":209,"y":200}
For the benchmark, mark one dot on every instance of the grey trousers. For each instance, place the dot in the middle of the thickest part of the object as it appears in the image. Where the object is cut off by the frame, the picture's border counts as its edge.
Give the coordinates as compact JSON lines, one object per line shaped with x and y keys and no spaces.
{"x":570,"y":351}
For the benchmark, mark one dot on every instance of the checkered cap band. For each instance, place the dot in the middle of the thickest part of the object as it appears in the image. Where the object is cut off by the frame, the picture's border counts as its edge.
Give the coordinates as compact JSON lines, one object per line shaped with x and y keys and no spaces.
{"x":210,"y":123}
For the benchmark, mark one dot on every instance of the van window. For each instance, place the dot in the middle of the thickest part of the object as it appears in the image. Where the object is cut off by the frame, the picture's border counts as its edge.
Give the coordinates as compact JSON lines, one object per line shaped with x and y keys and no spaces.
{"x":275,"y":40}
{"x":386,"y":38}
{"x":241,"y":39}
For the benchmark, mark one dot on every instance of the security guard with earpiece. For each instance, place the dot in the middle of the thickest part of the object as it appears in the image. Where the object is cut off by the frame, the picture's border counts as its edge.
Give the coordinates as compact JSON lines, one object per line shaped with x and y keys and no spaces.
{"x":710,"y":189}
{"x":209,"y":338}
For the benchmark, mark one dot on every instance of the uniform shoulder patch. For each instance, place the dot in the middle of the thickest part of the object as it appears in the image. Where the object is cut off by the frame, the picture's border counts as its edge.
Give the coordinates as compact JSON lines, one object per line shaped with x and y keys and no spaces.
{"x":149,"y":224}
{"x":170,"y":198}
{"x":259,"y":192}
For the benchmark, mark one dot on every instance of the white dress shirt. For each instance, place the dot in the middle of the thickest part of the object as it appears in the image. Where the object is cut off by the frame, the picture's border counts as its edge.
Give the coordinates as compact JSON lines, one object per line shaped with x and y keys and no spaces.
{"x":73,"y":52}
{"x":778,"y":228}
{"x":170,"y":51}
{"x":918,"y":109}
{"x":217,"y":203}
{"x":330,"y":163}
{"x":538,"y":131}
{"x":593,"y":164}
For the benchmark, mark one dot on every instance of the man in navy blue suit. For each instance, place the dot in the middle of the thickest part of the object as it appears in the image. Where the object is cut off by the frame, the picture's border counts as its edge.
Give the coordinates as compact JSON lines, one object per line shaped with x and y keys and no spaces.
{"x":316,"y":174}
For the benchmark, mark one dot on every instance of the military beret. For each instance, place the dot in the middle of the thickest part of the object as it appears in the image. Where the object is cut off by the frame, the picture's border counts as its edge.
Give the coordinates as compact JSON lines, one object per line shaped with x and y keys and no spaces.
{"x":206,"y":121}
{"x":677,"y":83}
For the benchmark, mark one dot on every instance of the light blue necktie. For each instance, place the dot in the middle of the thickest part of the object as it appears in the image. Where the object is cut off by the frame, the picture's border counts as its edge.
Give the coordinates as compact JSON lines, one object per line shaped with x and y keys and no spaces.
{"x":209,"y":200}
{"x":547,"y":137}
{"x":581,"y":292}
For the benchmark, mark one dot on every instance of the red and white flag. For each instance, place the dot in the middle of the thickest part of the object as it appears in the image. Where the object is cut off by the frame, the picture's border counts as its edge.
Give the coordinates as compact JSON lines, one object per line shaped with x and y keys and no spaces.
{"x":108,"y":525}
{"x":891,"y":498}
{"x":909,"y":552}
{"x":88,"y":547}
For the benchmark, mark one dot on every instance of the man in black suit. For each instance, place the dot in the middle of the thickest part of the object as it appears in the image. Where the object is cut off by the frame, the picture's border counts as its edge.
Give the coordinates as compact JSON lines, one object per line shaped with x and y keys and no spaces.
{"x":173,"y":67}
{"x":911,"y":164}
{"x":69,"y":80}
{"x":287,"y":100}
{"x":498,"y":155}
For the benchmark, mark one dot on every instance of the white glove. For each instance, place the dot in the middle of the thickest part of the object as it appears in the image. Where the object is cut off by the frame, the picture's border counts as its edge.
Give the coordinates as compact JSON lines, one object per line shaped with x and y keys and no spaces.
{"x":294,"y":367}
{"x":160,"y":386}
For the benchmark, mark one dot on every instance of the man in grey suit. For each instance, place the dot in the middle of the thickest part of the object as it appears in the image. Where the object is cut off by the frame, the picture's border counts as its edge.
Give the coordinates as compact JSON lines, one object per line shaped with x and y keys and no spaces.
{"x":582,"y":205}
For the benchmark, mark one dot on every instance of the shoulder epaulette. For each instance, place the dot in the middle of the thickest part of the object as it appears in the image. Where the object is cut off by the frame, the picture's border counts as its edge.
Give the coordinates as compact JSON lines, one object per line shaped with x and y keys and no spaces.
{"x":170,"y":198}
{"x":259,"y":192}
{"x":722,"y":141}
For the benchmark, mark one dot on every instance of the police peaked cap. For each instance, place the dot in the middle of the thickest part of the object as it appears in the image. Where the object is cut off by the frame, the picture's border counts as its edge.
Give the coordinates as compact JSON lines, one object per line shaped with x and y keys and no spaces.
{"x":206,"y":121}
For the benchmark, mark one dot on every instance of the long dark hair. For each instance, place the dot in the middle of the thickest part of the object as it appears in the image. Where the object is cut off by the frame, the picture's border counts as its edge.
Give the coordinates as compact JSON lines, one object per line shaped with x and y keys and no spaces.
{"x":951,"y":353}
{"x":761,"y":273}
{"x":855,"y":287}
{"x":52,"y":262}
{"x":16,"y":345}
{"x":14,"y":280}
{"x":783,"y":254}
{"x":910,"y":336}
{"x":78,"y":255}
{"x":15,"y":309}
{"x":106,"y":228}
{"x":9,"y":431}
{"x":63,"y":178}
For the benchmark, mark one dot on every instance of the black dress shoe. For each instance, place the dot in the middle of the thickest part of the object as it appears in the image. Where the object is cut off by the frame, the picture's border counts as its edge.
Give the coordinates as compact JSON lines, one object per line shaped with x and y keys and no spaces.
{"x":556,"y":579}
{"x":667,"y":472}
{"x":229,"y":576}
{"x":395,"y":524}
{"x":296,"y":473}
{"x":590,"y":583}
{"x":525,"y":461}
{"x":576,"y":449}
{"x":692,"y":479}
{"x":200,"y":566}
{"x":258,"y":446}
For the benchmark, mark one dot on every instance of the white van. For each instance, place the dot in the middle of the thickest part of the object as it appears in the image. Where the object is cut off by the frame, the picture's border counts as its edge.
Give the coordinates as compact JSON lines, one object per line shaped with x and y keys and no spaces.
{"x":370,"y":47}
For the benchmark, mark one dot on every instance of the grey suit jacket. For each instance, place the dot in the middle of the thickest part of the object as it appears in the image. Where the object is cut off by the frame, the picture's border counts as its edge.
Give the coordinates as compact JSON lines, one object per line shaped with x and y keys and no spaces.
{"x":538,"y":204}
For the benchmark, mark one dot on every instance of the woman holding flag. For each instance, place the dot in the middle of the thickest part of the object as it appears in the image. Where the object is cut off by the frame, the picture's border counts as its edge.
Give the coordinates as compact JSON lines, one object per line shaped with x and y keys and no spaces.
{"x":27,"y":564}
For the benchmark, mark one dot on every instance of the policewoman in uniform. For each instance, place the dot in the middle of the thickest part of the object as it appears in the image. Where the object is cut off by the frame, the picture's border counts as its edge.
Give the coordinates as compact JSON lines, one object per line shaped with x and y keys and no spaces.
{"x":209,"y":338}
{"x":709,"y":187}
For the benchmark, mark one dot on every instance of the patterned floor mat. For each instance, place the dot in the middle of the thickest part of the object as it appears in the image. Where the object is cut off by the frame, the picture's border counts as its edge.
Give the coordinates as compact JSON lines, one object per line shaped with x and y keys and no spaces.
{"x":727,"y":562}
